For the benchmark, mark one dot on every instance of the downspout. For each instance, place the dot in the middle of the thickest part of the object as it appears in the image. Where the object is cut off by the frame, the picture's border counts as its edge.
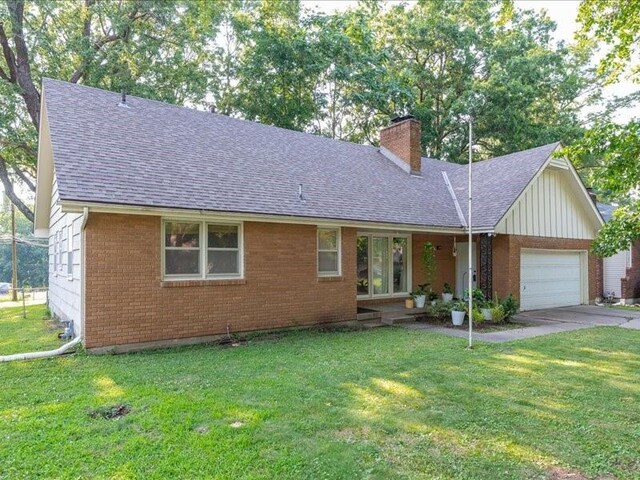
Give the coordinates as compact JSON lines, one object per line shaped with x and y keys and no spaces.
{"x":83,"y":276}
{"x":76,"y":341}
{"x":49,"y":353}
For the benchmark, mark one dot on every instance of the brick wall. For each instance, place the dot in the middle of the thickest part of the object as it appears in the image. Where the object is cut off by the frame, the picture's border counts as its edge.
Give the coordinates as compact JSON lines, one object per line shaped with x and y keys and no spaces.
{"x":506,"y":260}
{"x":127,"y":301}
{"x":446,"y":262}
{"x":631,"y":283}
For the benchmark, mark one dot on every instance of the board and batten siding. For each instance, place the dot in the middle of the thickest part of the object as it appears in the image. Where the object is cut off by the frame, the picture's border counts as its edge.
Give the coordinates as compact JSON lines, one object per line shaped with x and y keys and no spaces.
{"x":65,"y":286}
{"x":550,"y":207}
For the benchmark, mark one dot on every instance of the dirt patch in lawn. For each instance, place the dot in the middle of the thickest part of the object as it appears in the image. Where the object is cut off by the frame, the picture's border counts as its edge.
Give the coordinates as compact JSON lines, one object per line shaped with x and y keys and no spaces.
{"x":111,"y":412}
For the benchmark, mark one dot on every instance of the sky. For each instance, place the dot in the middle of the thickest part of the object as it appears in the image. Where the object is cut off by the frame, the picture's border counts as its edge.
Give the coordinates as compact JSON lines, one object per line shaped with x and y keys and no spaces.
{"x":562,"y":12}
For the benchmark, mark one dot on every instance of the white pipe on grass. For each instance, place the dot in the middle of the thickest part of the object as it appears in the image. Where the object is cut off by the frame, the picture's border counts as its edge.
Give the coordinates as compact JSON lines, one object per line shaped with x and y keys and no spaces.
{"x":49,"y":353}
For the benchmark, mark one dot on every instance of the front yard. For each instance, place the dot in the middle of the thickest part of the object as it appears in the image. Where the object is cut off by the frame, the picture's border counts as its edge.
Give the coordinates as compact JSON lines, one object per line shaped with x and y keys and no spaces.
{"x":383,"y":403}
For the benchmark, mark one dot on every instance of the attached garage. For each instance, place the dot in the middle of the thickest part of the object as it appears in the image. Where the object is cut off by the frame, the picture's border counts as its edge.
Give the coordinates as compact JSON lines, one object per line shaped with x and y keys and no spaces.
{"x":552,"y":278}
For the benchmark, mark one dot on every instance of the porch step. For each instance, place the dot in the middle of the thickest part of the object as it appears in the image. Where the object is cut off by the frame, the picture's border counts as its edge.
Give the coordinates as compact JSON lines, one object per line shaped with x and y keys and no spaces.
{"x":369,"y":316}
{"x":396,"y":318}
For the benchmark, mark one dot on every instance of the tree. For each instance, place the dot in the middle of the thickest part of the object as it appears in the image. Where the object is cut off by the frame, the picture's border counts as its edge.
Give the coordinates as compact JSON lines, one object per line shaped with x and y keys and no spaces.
{"x":32,"y":253}
{"x":611,"y":152}
{"x":153,"y":49}
{"x":526,"y":89}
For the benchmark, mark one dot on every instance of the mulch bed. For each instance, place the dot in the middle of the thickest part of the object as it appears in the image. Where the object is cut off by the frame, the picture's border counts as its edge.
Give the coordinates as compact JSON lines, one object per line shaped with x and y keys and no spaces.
{"x":486,"y":326}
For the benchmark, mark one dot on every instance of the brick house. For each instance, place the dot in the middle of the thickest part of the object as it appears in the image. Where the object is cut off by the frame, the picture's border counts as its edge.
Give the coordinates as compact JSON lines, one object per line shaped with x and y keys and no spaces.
{"x":167,"y":224}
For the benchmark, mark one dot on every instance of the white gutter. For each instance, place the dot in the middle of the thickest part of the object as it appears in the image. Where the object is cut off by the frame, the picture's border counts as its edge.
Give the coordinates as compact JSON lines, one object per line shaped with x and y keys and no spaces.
{"x":71,"y":206}
{"x":49,"y":353}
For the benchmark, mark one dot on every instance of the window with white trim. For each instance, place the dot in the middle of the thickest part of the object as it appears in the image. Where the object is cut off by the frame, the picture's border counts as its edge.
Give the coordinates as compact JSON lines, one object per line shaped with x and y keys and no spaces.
{"x":223,"y":250}
{"x":63,"y":246}
{"x":201,"y":250}
{"x":70,"y":250}
{"x":328,"y":252}
{"x":182,"y":249}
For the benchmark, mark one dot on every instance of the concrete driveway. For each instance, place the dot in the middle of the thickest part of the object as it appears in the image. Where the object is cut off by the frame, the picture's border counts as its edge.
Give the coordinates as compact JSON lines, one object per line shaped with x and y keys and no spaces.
{"x":587,"y":315}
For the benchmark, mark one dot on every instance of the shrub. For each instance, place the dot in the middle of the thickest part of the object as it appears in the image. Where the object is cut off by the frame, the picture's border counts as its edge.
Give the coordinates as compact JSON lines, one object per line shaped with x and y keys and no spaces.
{"x":510,"y":306}
{"x":439,"y":311}
{"x":497,"y":313}
{"x":477,"y":316}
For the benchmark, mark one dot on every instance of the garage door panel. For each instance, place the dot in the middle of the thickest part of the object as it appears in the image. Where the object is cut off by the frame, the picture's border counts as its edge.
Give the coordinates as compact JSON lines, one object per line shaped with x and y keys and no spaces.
{"x":550,"y":279}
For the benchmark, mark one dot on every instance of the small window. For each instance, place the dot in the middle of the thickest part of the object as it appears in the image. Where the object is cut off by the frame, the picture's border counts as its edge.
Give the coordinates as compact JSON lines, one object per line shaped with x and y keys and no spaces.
{"x":182,"y":248}
{"x":328,"y":251}
{"x":62,"y":249}
{"x":223,"y":250}
{"x":70,"y":251}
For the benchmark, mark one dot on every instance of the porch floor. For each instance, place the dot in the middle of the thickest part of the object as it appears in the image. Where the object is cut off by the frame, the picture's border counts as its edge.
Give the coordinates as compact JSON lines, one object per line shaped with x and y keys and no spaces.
{"x":387,"y":312}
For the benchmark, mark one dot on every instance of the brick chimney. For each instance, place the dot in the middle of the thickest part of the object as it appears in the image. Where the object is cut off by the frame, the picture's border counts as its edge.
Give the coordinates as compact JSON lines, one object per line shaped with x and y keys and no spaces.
{"x":402,"y":138}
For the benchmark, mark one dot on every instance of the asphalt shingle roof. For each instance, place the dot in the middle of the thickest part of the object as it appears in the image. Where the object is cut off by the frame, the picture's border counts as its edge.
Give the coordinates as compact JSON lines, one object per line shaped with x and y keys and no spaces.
{"x":159,"y":155}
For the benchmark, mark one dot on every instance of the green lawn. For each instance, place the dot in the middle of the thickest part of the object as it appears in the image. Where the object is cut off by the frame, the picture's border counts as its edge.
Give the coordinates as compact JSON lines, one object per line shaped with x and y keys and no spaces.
{"x":385,"y":403}
{"x":30,"y":334}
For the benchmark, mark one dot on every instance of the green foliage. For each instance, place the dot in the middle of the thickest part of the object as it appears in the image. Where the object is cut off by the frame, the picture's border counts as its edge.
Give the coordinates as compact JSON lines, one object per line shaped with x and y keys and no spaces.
{"x":479,"y":300}
{"x":429,"y":263}
{"x":458,"y":306}
{"x":32,"y":253}
{"x":447,"y":288}
{"x":477,"y":316}
{"x":612,"y":153}
{"x":439,"y":311}
{"x":615,"y":23}
{"x":510,"y":306}
{"x":498,"y":313}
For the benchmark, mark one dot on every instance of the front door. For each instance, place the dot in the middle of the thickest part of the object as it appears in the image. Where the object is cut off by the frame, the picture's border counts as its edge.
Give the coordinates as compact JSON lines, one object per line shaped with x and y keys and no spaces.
{"x":383,"y":264}
{"x":462,"y":268}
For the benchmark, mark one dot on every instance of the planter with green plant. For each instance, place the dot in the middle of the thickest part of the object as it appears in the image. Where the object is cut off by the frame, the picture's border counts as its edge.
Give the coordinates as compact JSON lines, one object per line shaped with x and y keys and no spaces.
{"x":419,"y":295}
{"x":447,"y":293}
{"x":458,"y":312}
{"x":433,"y":297}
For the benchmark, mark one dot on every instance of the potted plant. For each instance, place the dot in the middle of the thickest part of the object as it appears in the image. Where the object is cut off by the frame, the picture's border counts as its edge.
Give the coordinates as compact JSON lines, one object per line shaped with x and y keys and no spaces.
{"x":408,"y":302}
{"x":420,"y":295}
{"x":447,"y":293}
{"x":433,"y":297}
{"x":458,"y":313}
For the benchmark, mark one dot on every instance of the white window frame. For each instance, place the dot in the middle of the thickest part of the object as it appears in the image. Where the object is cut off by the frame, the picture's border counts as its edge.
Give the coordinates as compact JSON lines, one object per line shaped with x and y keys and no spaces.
{"x":338,"y":250}
{"x":204,"y":251}
{"x":70,"y":251}
{"x":390,"y":236}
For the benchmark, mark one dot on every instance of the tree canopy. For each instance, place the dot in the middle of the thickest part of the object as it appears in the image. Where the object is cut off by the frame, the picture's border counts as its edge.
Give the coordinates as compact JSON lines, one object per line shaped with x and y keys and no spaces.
{"x":342,"y":74}
{"x":609,"y":151}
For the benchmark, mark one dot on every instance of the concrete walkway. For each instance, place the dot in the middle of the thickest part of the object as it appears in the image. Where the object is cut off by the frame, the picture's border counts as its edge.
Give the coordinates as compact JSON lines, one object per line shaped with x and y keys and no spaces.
{"x":545,"y":322}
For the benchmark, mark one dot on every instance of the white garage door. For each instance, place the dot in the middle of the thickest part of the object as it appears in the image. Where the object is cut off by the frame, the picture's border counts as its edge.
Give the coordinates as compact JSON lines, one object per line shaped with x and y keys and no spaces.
{"x":550,"y":279}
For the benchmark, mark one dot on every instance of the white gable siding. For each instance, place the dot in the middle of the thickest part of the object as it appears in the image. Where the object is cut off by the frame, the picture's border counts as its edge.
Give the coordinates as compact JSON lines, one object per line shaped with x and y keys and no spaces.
{"x":65,"y":288}
{"x":549,"y":207}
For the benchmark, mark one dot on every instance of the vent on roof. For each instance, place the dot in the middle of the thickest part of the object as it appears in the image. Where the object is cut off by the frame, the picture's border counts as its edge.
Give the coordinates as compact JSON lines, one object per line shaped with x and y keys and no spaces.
{"x":123,"y":100}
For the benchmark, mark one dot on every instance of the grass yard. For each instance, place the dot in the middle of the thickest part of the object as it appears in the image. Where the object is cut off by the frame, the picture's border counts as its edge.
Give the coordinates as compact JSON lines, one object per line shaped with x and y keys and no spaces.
{"x":35,"y":333}
{"x":385,"y":403}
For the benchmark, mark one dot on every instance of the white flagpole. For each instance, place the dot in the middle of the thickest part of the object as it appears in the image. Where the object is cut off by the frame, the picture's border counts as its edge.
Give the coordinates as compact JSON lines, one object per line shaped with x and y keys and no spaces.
{"x":470,"y":238}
